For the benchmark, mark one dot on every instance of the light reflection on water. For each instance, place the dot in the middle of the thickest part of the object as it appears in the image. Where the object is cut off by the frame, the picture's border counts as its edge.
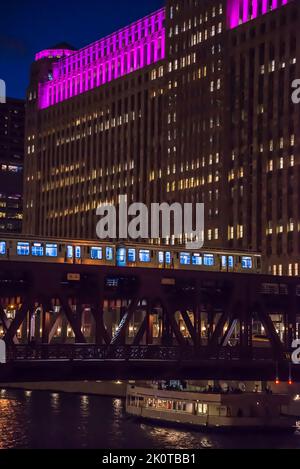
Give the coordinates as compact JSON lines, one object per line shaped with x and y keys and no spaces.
{"x":51,"y":420}
{"x":12,"y":429}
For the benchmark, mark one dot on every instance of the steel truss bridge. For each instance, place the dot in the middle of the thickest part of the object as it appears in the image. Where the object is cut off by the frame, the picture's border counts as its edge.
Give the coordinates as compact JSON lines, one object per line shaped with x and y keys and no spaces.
{"x":53,"y":294}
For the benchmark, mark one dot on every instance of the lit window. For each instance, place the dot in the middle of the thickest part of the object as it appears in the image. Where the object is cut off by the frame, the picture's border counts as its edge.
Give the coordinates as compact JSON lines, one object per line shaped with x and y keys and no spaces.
{"x":246,"y":262}
{"x":131,"y":255}
{"x":23,"y":249}
{"x":37,"y":250}
{"x":168,"y":258}
{"x":77,"y":252}
{"x":109,"y":254}
{"x":70,"y":252}
{"x":209,"y":260}
{"x":96,"y":254}
{"x":2,"y":248}
{"x":51,"y":250}
{"x":161,"y":257}
{"x":185,"y":258}
{"x":144,"y":256}
{"x":197,"y":259}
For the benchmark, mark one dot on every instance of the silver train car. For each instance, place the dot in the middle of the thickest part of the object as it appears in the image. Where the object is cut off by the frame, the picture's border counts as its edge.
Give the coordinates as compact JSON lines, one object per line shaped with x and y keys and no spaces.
{"x":25,"y":248}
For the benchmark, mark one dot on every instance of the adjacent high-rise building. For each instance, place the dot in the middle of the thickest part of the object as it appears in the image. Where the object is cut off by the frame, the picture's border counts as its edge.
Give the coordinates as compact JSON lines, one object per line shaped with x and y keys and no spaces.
{"x":262,"y":129}
{"x":12,"y":122}
{"x":190,"y":104}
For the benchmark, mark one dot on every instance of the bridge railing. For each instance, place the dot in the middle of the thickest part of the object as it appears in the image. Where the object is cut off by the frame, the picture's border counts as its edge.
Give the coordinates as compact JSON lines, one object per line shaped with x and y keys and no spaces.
{"x":82,"y":352}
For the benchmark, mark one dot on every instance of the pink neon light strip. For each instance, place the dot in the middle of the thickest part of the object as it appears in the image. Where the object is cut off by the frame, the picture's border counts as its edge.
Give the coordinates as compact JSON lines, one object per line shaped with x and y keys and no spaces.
{"x":128,"y":50}
{"x":242,"y":11}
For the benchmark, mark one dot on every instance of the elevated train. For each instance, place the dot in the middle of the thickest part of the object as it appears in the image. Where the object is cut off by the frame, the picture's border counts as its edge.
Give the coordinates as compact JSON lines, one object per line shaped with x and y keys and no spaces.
{"x":50,"y":250}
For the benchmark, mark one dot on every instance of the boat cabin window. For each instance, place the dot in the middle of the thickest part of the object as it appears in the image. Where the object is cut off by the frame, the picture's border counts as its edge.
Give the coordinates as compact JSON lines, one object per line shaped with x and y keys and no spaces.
{"x":131,"y":255}
{"x":2,"y":248}
{"x":96,"y":254}
{"x":37,"y":250}
{"x":51,"y":250}
{"x":144,"y":255}
{"x":185,"y":258}
{"x":246,"y":262}
{"x":23,"y":249}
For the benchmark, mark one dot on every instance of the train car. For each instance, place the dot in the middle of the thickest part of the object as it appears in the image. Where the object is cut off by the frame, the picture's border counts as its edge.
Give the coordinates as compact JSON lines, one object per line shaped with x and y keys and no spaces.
{"x":140,"y":255}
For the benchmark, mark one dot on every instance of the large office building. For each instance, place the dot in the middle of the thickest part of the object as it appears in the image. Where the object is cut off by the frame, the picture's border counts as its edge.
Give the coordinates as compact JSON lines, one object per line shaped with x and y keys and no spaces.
{"x":190,"y":104}
{"x":12,"y":121}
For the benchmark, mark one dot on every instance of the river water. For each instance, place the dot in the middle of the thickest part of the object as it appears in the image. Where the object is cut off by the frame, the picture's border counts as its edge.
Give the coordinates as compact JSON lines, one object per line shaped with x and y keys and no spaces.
{"x":42,"y":420}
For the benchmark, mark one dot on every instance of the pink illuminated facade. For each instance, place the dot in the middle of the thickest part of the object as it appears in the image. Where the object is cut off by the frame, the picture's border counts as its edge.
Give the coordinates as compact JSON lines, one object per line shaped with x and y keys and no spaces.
{"x":128,"y":50}
{"x":53,"y":54}
{"x":242,"y":11}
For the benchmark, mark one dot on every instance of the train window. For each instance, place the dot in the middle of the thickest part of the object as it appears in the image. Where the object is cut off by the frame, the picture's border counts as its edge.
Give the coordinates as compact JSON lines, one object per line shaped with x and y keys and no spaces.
{"x":161,"y":257}
{"x":121,"y":257}
{"x":246,"y":263}
{"x":51,"y":250}
{"x":77,"y":252}
{"x":144,"y":255}
{"x":197,"y":259}
{"x":109,"y":254}
{"x":23,"y":249}
{"x":70,"y":252}
{"x":168,"y":258}
{"x":37,"y":250}
{"x":131,"y":255}
{"x":230,"y":262}
{"x":2,"y":248}
{"x":96,"y":254}
{"x":224,"y":262}
{"x":209,"y":260}
{"x":185,"y":258}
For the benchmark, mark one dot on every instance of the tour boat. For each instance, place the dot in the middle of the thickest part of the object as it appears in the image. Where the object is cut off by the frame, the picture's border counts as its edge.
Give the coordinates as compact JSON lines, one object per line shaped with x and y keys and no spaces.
{"x":210,"y":409}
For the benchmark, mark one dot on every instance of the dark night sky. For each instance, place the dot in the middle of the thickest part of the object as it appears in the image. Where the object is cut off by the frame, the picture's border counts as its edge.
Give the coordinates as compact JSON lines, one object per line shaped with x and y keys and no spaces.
{"x":28,"y":26}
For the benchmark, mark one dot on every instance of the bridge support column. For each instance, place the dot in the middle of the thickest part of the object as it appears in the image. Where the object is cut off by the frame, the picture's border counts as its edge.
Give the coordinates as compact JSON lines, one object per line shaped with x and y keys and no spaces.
{"x":101,"y":334}
{"x":246,"y":332}
{"x":73,"y":320}
{"x":27,"y":306}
